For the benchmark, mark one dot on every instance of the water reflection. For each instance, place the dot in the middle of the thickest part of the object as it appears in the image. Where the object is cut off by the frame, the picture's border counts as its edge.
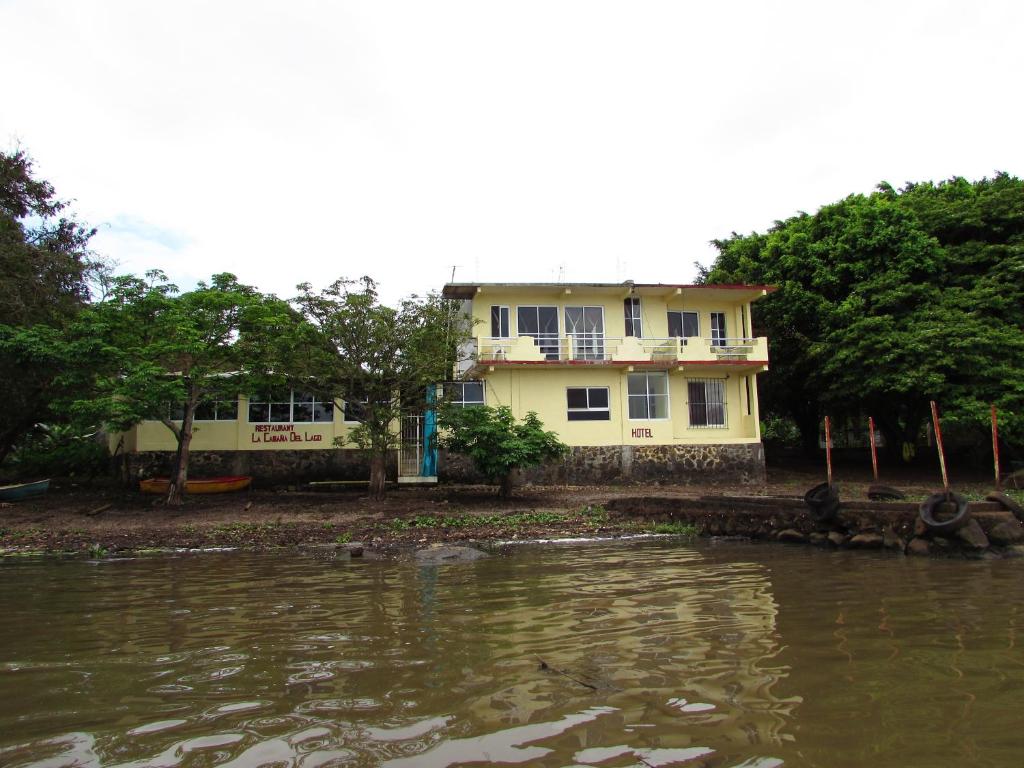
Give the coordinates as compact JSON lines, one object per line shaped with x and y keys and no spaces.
{"x":653,"y":654}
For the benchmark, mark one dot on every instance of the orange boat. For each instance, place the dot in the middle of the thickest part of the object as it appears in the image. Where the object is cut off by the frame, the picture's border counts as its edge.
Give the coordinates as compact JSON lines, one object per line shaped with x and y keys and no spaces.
{"x":206,"y":485}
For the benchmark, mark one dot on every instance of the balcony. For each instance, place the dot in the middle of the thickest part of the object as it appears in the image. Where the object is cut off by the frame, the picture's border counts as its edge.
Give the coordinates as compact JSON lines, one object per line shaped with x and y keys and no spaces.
{"x":576,"y":349}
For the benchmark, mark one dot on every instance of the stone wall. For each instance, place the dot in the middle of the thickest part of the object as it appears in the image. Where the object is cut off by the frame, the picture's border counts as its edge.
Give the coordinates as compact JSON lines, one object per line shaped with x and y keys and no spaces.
{"x":597,"y":465}
{"x":281,"y":467}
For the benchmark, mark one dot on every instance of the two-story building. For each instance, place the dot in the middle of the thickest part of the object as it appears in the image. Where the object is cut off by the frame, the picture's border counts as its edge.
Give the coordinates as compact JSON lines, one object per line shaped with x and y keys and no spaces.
{"x":643,"y":381}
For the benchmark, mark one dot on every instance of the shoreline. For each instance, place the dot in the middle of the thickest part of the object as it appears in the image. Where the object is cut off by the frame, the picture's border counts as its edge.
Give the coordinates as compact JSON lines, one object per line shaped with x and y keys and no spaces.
{"x":108,"y":521}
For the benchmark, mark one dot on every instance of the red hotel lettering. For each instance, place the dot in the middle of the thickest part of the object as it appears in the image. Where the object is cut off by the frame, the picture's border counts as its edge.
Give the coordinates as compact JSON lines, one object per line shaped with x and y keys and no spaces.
{"x":642,"y":432}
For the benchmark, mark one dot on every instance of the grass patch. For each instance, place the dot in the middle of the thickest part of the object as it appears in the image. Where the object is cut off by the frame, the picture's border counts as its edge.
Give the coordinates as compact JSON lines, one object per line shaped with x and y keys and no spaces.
{"x":675,"y":528}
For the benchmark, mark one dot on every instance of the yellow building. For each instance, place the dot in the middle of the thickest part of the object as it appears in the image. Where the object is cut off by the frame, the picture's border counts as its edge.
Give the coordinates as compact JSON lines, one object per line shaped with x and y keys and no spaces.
{"x":643,"y":381}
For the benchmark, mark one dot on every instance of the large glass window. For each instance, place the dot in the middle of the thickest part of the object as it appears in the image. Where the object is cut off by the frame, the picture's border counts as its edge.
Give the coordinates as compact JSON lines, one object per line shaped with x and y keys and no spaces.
{"x":585,"y":326}
{"x":587,"y":403}
{"x":463,"y":394}
{"x":290,"y":407}
{"x":542,"y":324}
{"x":683,"y":324}
{"x":648,"y":395}
{"x":631,"y":308}
{"x":707,"y":402}
{"x":217,"y":410}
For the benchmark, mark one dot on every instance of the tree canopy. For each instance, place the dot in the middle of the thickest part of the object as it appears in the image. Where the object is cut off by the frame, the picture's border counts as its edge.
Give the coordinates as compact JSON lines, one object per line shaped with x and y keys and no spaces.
{"x":380,"y":359}
{"x":45,"y":266}
{"x":154,"y":349}
{"x":889,"y":300}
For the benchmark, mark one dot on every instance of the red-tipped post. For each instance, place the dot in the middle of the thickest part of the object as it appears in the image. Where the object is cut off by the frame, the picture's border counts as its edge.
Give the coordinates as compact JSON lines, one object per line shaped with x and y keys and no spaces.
{"x":874,"y":448}
{"x":828,"y":450}
{"x":995,"y":447}
{"x":938,"y":444}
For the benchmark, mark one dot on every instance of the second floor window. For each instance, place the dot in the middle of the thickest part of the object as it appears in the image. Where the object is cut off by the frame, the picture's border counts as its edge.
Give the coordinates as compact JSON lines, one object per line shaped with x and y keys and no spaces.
{"x":464,"y":394}
{"x":631,"y":307}
{"x":683,"y":324}
{"x":499,"y":322}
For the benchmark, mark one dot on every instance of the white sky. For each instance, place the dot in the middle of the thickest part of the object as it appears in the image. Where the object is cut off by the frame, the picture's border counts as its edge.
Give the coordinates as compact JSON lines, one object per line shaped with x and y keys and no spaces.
{"x":304,"y":141}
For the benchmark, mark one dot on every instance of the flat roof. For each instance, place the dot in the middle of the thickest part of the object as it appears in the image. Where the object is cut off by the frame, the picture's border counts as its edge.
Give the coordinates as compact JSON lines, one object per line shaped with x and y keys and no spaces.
{"x":469,"y":290}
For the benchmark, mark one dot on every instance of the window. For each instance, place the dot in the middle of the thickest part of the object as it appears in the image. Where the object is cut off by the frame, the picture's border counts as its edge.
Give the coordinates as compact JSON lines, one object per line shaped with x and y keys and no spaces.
{"x":464,"y":394}
{"x":648,"y":395}
{"x":631,"y":307}
{"x":290,"y":407}
{"x":499,"y":322}
{"x":585,"y":327}
{"x":587,"y":403}
{"x":217,"y":410}
{"x":683,"y":324}
{"x":718,"y":334}
{"x":542,"y":324}
{"x":707,"y":402}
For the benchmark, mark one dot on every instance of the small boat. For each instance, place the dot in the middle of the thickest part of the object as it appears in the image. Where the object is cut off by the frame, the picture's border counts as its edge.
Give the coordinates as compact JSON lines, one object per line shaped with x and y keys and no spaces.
{"x":205,"y":485}
{"x":23,"y":490}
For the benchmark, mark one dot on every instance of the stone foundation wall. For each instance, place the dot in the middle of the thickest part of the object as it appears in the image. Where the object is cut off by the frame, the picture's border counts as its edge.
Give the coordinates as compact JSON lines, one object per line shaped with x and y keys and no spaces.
{"x":610,"y":464}
{"x":281,"y":467}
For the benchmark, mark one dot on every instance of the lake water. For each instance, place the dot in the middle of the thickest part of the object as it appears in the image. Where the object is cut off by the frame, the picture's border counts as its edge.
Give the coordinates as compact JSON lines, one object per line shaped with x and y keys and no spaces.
{"x":657,"y":654}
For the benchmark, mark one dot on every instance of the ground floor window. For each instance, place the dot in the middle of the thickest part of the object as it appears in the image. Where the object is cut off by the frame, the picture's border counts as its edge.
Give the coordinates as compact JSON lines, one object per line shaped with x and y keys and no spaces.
{"x":206,"y":410}
{"x":463,"y":394}
{"x":587,"y":403}
{"x":648,"y":395}
{"x":707,"y":402}
{"x":290,"y":407}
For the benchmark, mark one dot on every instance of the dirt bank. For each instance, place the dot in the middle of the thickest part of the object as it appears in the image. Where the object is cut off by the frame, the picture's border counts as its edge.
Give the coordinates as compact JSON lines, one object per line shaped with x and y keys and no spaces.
{"x":75,"y":519}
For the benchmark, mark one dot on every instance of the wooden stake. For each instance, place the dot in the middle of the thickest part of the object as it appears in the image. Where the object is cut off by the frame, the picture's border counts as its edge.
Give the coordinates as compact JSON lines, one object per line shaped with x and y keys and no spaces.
{"x":938,"y":444}
{"x":995,"y":447}
{"x":874,"y":448}
{"x":828,"y":450}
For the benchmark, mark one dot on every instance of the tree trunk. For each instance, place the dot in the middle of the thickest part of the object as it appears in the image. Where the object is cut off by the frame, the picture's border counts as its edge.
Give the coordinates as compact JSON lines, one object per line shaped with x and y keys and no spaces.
{"x":505,"y":488}
{"x":378,"y":474}
{"x":176,"y":491}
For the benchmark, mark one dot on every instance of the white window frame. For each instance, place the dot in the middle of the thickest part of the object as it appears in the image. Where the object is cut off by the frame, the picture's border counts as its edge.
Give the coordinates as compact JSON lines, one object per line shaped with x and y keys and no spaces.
{"x":648,"y":395}
{"x":682,"y":321}
{"x":291,"y":409}
{"x":503,"y":309}
{"x":634,"y":316}
{"x":721,"y":385}
{"x":607,"y":410}
{"x":722,"y":330}
{"x":463,"y":402}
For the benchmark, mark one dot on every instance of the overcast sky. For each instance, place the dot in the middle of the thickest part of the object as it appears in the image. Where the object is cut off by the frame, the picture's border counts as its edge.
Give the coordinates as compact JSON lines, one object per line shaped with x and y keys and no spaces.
{"x":303,"y":141}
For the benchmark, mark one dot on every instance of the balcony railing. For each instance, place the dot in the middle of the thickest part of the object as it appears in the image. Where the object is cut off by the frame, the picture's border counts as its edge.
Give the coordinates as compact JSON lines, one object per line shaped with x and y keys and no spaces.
{"x":598,"y":348}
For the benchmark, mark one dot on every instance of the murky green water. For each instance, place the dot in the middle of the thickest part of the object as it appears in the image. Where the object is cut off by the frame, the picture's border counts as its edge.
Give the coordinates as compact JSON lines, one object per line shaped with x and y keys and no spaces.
{"x":706,"y":655}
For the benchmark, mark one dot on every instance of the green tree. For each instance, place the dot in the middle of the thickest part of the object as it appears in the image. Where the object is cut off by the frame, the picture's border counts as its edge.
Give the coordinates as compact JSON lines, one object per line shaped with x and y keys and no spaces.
{"x":45,"y":267}
{"x":381,"y":358}
{"x":889,"y":300}
{"x":154,"y":348}
{"x":496,"y":443}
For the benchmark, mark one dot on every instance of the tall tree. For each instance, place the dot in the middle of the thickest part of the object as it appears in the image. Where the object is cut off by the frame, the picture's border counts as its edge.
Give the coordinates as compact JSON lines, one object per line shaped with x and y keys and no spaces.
{"x":381,"y":358}
{"x":889,"y":300}
{"x":156,"y":349}
{"x":44,"y":270}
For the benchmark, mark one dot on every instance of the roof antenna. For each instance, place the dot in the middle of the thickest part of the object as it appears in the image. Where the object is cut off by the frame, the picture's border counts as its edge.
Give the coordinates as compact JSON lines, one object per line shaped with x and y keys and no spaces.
{"x":453,"y":273}
{"x":561,"y":273}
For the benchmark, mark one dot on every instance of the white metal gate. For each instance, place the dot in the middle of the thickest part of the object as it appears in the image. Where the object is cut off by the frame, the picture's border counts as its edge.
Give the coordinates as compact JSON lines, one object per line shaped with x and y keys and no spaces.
{"x":410,"y":449}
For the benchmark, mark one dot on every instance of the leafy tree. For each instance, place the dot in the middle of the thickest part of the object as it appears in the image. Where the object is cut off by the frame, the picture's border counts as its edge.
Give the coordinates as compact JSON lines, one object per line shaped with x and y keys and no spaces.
{"x":45,"y":267}
{"x":380,"y":357}
{"x":496,"y":443}
{"x":889,"y":300}
{"x":154,"y":347}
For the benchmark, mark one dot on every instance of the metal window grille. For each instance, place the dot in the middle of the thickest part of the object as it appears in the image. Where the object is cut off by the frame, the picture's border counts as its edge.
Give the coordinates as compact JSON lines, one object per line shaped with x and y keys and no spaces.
{"x":707,"y":405}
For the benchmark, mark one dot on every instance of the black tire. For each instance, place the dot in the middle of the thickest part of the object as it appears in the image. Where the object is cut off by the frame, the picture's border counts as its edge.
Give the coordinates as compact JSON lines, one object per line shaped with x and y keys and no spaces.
{"x":959,"y":519}
{"x":1007,"y":503}
{"x":823,"y":502}
{"x":879,"y":492}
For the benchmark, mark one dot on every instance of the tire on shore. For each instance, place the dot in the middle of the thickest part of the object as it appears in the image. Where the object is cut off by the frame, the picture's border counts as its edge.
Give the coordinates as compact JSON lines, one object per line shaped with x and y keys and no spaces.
{"x":1007,"y":503}
{"x":934,"y":503}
